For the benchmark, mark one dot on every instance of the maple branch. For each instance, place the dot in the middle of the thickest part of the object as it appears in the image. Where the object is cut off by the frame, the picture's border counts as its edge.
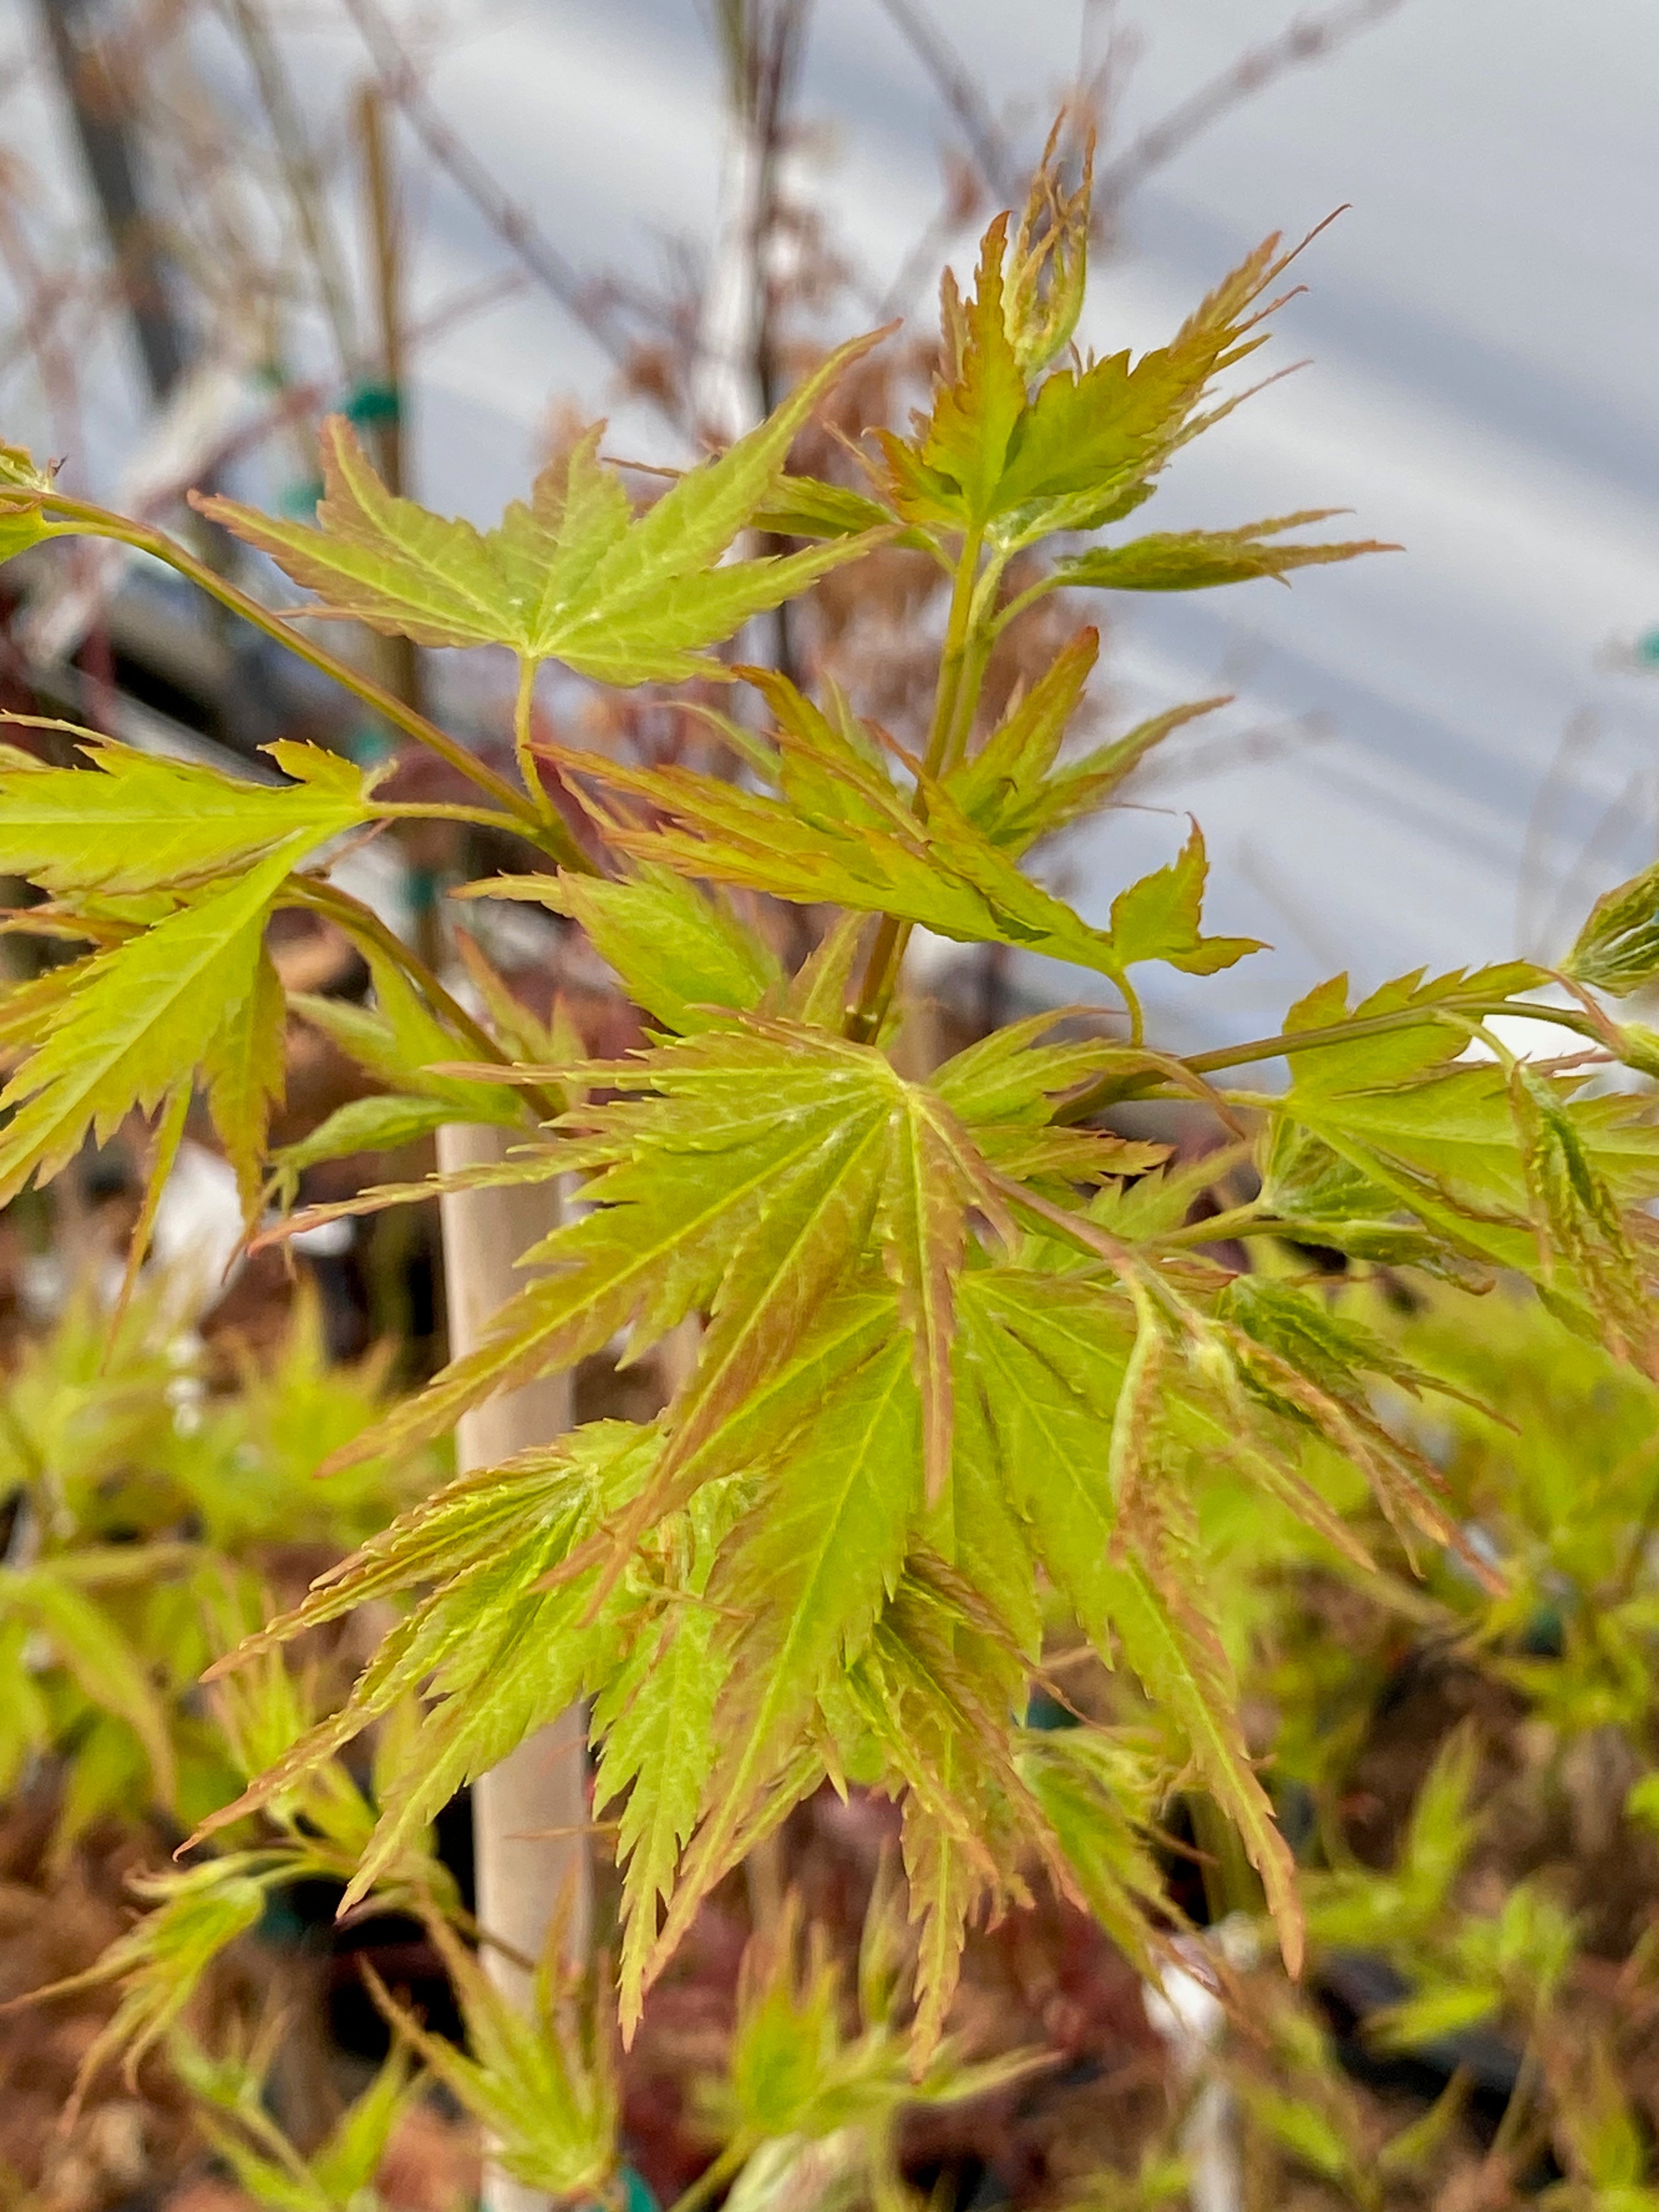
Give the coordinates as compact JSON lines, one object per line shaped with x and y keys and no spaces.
{"x":95,"y":521}
{"x":1108,"y":1089}
{"x":1407,"y":1017}
{"x":887,"y":953}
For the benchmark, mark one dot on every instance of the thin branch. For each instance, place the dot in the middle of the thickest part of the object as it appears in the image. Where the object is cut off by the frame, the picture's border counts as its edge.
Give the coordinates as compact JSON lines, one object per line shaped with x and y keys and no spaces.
{"x":400,"y":83}
{"x":960,"y":94}
{"x":1307,"y":39}
{"x":301,"y":172}
{"x":99,"y":522}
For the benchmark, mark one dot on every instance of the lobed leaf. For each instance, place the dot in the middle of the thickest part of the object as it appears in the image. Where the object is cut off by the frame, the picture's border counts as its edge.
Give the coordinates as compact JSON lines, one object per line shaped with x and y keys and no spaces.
{"x":541,"y":2085}
{"x":130,"y":821}
{"x":1618,"y":948}
{"x":1198,"y":560}
{"x":679,"y":955}
{"x":140,"y":1016}
{"x":1159,"y":918}
{"x":573,"y":575}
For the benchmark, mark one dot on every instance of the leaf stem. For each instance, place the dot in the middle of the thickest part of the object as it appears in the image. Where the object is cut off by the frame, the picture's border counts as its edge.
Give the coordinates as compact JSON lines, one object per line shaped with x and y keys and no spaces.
{"x":714,"y":2177}
{"x":1133,"y":1009}
{"x":1222,"y":1228}
{"x":957,"y":635}
{"x":487,"y":818}
{"x":100,"y":522}
{"x":1109,"y":1087}
{"x":523,"y":751}
{"x":1275,"y":1048}
{"x":1017,"y":606}
{"x":886,"y":959}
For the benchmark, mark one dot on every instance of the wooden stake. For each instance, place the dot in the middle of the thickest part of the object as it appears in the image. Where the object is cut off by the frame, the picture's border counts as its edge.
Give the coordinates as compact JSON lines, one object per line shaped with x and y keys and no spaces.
{"x":524,"y":1874}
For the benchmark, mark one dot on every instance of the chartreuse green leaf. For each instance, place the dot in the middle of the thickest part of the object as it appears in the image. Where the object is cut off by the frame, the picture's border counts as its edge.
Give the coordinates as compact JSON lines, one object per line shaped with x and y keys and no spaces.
{"x":1404,"y":1150}
{"x":572,"y":576}
{"x":1101,"y":1804}
{"x":383,"y":1123}
{"x":995,"y":786}
{"x":1450,"y":1147}
{"x":157,"y":1965}
{"x":1398,"y":1049}
{"x":1171,"y":1639}
{"x":1618,"y":948}
{"x":979,"y":403}
{"x":805,"y":1573}
{"x":245,"y":1069}
{"x":656,"y":1722}
{"x":130,"y":821}
{"x":21,"y":523}
{"x":806,"y":1151}
{"x":1198,"y":560}
{"x":495,"y":1654}
{"x":1054,"y":1353}
{"x":844,"y":837}
{"x":1011,"y":787}
{"x":541,"y":2085}
{"x":402,"y":1042}
{"x":934,"y":1690}
{"x":1096,"y":437}
{"x":27,"y":1009}
{"x":1158,"y":918}
{"x":798,"y":2071}
{"x":802,"y":507}
{"x":840,"y":832}
{"x":965,"y":1371}
{"x":232,"y":2111}
{"x":678,"y":954}
{"x":1606,"y":2140}
{"x":140,"y":1019}
{"x":1085,"y":447}
{"x":85,"y":1640}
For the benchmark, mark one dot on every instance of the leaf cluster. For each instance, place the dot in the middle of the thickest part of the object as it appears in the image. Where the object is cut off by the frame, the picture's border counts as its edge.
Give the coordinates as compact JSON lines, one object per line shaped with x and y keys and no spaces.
{"x":968,"y":1364}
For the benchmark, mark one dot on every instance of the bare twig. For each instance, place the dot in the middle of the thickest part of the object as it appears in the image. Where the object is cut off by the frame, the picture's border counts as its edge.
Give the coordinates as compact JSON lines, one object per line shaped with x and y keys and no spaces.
{"x":1307,"y":39}
{"x":44,"y":297}
{"x":301,"y":172}
{"x":100,"y":107}
{"x":401,"y":83}
{"x":956,"y":88}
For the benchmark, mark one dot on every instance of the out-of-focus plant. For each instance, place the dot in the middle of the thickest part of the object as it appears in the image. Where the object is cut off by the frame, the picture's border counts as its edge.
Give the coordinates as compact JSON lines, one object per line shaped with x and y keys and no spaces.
{"x":147,"y":1503}
{"x":152,"y":1502}
{"x":233,"y":2116}
{"x":1471,"y":1773}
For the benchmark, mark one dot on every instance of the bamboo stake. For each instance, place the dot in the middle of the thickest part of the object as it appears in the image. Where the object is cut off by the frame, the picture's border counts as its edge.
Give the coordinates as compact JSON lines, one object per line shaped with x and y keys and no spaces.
{"x":524,"y":1874}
